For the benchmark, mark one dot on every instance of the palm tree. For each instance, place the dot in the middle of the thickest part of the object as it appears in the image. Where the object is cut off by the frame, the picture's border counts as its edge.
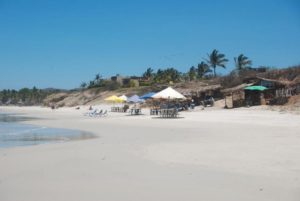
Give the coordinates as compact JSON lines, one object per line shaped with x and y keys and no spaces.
{"x":216,"y":59}
{"x":83,"y":85}
{"x":148,"y":74}
{"x":202,"y":69}
{"x":185,"y":77}
{"x":242,"y":62}
{"x":192,"y":73}
{"x":158,"y":76}
{"x":167,"y":75}
{"x":172,"y":75}
{"x":97,"y":79}
{"x":91,"y":84}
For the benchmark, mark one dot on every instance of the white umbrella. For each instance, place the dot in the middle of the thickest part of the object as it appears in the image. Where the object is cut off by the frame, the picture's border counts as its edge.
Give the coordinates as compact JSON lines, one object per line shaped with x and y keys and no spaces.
{"x":168,"y":93}
{"x":123,"y":97}
{"x":135,"y":99}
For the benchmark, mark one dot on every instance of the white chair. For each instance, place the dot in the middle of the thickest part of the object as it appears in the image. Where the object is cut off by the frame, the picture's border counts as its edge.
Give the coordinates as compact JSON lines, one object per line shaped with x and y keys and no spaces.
{"x":98,"y":113}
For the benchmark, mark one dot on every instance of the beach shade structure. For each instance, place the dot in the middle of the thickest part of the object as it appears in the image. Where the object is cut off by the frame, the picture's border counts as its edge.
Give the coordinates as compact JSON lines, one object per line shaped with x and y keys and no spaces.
{"x":147,"y":95}
{"x":168,"y":93}
{"x":123,"y":97}
{"x":135,"y":99}
{"x":256,"y":88}
{"x":114,"y":99}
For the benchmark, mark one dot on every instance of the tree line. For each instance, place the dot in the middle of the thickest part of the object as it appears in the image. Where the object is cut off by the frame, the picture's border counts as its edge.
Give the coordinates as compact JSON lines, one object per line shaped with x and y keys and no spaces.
{"x":205,"y":70}
{"x":100,"y":82}
{"x":24,"y":96}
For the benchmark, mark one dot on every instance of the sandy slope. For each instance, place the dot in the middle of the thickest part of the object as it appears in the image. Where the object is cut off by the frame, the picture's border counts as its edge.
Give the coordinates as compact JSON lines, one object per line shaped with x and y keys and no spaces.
{"x":244,"y":154}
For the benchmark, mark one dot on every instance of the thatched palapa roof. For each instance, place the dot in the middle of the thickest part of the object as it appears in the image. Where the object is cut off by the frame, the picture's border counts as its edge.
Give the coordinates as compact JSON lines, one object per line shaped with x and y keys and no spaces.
{"x":297,"y":80}
{"x":240,"y":87}
{"x":280,"y":82}
{"x":199,"y":89}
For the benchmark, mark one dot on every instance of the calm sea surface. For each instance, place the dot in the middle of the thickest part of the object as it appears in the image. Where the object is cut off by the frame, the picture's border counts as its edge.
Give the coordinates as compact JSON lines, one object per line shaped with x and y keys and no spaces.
{"x":13,"y":133}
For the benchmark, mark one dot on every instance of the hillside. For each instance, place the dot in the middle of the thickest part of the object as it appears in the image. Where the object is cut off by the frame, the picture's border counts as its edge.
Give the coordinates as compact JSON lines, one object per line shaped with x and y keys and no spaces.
{"x":90,"y":96}
{"x":97,"y":95}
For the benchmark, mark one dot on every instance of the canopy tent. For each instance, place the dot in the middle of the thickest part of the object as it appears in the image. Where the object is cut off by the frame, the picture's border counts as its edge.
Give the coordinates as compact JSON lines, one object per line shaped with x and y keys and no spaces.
{"x":256,"y":88}
{"x":114,"y":99}
{"x":123,"y":97}
{"x":135,"y":99}
{"x":147,"y":95}
{"x":168,"y":93}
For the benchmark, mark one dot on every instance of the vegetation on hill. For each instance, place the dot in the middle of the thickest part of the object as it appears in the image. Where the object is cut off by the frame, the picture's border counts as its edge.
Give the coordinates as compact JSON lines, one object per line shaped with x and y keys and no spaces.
{"x":25,"y":96}
{"x":242,"y":62}
{"x":204,"y":70}
{"x":216,"y":59}
{"x":205,"y":73}
{"x":288,"y":74}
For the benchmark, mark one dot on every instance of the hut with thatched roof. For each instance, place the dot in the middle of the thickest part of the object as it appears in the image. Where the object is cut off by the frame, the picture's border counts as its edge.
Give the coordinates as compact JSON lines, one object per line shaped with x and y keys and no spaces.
{"x":235,"y":96}
{"x":297,"y":84}
{"x":201,"y":92}
{"x":279,"y":90}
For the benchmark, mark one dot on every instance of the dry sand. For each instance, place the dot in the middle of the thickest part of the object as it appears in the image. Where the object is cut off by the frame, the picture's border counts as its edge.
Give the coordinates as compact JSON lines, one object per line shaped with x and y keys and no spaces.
{"x":245,"y":154}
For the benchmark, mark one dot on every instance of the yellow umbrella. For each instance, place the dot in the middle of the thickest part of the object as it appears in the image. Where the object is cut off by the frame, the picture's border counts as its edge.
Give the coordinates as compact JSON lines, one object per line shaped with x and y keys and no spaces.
{"x":115,"y":99}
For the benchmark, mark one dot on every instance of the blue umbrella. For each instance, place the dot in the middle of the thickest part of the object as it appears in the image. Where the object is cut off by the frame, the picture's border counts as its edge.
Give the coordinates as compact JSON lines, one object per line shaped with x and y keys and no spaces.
{"x":135,"y":99}
{"x":147,"y":96}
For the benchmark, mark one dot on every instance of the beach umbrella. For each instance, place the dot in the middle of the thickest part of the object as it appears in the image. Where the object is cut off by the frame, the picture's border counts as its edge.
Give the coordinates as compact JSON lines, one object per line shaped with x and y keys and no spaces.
{"x":123,"y":97}
{"x":168,"y":93}
{"x":256,"y":88}
{"x":135,"y":99}
{"x":147,"y":95}
{"x":115,"y":99}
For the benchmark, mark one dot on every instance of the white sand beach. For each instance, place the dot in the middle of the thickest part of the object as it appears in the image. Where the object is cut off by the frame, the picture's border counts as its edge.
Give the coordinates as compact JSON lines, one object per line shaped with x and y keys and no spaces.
{"x":246,"y":154}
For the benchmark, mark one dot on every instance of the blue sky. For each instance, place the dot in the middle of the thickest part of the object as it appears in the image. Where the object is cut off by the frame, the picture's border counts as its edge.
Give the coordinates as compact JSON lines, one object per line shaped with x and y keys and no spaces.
{"x":62,"y":43}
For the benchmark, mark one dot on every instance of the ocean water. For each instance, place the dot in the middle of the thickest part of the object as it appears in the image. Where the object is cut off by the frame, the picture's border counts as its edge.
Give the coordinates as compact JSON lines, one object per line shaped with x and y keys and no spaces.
{"x":15,"y":133}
